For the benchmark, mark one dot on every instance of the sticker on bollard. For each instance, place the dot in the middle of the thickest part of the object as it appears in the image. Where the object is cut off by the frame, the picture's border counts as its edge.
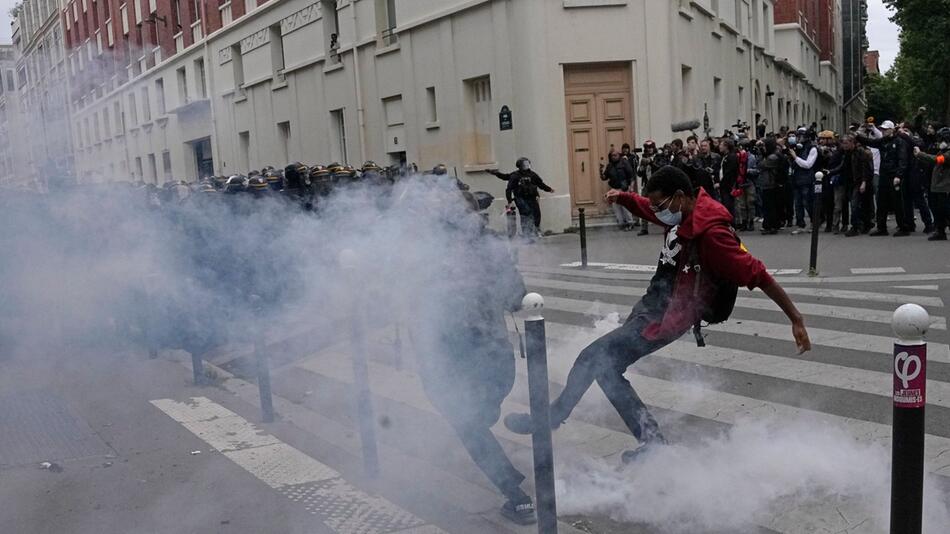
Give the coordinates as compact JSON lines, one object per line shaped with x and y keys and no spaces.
{"x":910,"y":376}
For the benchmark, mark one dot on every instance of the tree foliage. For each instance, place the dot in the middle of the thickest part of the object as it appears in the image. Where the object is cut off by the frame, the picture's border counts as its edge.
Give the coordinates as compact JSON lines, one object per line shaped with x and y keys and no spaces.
{"x":885,"y":97}
{"x":922,"y":69}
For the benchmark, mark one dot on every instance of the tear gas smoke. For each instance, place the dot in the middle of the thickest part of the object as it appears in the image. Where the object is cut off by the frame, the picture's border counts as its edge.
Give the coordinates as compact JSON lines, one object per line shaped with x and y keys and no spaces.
{"x":780,"y":474}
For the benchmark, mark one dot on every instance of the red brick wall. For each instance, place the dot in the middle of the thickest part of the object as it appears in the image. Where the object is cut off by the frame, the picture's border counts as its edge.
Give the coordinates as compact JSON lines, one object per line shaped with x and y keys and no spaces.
{"x":827,"y":32}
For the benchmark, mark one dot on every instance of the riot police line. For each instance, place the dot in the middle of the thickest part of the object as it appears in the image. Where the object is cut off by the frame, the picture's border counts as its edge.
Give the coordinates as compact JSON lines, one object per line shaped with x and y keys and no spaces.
{"x":227,"y":260}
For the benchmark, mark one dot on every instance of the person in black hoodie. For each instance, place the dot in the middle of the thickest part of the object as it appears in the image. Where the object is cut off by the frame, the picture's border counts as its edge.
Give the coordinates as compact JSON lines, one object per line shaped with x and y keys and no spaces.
{"x":522,"y":190}
{"x":729,"y":174}
{"x":618,"y":173}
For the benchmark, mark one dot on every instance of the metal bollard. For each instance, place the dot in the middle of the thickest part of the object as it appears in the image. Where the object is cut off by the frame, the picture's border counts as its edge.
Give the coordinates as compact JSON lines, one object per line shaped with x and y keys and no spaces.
{"x":815,"y":225}
{"x":263,"y":382}
{"x":910,"y":324}
{"x":148,"y":286}
{"x":582,"y":221}
{"x":542,"y":444}
{"x":364,"y":400}
{"x":198,"y":369}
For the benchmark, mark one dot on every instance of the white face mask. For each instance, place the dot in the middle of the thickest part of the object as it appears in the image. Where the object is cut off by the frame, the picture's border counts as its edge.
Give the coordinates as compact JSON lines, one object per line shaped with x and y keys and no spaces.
{"x":793,"y":140}
{"x":669,"y":218}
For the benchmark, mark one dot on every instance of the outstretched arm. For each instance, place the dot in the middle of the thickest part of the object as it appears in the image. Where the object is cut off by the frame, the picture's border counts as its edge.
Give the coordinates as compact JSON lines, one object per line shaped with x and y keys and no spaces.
{"x":780,"y":297}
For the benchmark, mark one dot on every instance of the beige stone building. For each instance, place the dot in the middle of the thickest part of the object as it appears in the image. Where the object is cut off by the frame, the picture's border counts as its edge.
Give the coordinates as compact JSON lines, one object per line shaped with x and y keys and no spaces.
{"x":425,"y":81}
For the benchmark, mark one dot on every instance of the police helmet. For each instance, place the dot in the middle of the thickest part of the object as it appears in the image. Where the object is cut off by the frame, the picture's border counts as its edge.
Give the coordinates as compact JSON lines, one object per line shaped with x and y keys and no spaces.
{"x":943,"y":134}
{"x":257,"y":183}
{"x":235,"y":184}
{"x":371,"y":166}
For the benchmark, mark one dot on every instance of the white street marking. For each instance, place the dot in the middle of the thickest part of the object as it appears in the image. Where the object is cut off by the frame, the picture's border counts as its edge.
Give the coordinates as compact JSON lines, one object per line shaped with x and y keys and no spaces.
{"x":877,"y":270}
{"x":299,"y":477}
{"x":845,"y":294}
{"x":931,"y":287}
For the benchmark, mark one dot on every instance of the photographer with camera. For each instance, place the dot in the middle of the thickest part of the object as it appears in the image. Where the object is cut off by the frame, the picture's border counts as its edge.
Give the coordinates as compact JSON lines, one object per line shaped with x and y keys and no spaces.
{"x":650,"y":162}
{"x":803,"y":175}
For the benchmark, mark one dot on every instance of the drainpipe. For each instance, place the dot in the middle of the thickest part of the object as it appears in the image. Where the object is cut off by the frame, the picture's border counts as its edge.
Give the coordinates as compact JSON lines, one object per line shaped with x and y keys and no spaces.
{"x":360,"y":120}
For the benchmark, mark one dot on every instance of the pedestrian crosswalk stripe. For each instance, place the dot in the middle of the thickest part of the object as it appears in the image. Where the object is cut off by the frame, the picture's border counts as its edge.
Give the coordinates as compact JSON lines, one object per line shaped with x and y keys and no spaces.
{"x":288,"y":470}
{"x":843,"y":294}
{"x":807,"y":280}
{"x":929,"y":287}
{"x":877,"y":270}
{"x":615,"y":266}
{"x":781,"y":367}
{"x":686,"y":398}
{"x":652,"y":268}
{"x":835,"y":312}
{"x":880,"y":345}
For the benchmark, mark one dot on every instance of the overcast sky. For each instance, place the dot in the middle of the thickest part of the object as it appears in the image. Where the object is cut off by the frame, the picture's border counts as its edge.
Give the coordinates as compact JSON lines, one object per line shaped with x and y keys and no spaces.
{"x":881,"y":32}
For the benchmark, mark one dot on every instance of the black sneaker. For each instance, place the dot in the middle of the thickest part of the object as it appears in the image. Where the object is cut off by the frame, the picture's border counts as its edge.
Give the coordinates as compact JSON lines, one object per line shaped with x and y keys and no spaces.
{"x":901,"y":233}
{"x":631,"y":456}
{"x":521,"y":513}
{"x":937,"y":237}
{"x":852,"y":232}
{"x":521,"y":423}
{"x":643,"y":232}
{"x":878,"y":233}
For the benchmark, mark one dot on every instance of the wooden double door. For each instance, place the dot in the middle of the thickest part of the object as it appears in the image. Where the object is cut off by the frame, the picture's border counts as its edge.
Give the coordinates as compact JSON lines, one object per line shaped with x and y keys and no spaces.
{"x":599,"y":117}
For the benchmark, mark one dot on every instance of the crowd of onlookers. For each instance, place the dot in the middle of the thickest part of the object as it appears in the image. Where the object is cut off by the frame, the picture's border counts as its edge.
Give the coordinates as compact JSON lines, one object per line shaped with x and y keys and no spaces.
{"x":848,"y":183}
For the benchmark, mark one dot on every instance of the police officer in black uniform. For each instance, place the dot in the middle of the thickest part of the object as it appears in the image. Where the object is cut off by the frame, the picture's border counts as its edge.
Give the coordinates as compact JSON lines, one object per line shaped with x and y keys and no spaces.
{"x":522,"y":190}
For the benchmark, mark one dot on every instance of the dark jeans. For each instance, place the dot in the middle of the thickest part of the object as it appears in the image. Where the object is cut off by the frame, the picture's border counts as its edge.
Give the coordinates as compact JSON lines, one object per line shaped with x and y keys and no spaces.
{"x":890,"y":199}
{"x":728,"y":201}
{"x":489,"y":456}
{"x":772,"y":208}
{"x":940,"y":202}
{"x":916,"y":197}
{"x":862,"y":208}
{"x":804,"y":201}
{"x":789,"y":204}
{"x":605,"y":360}
{"x":530,"y":212}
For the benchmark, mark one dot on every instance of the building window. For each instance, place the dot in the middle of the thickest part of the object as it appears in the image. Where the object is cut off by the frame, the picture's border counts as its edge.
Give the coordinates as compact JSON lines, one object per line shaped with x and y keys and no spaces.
{"x":338,"y":135}
{"x":167,"y":165}
{"x":331,"y":28}
{"x":479,"y":149}
{"x":117,"y":112}
{"x":106,"y":123}
{"x":277,"y":52}
{"x":138,"y":169}
{"x":160,"y":95}
{"x":244,"y":141}
{"x":283,"y":134}
{"x":200,"y":78}
{"x":146,"y":105}
{"x":741,"y":103}
{"x":386,"y":21}
{"x":10,"y":80}
{"x":249,"y":5}
{"x":133,"y":111}
{"x":152,"y":169}
{"x":686,"y":80}
{"x":432,"y":107}
{"x":237,"y":66}
{"x":182,"y":85}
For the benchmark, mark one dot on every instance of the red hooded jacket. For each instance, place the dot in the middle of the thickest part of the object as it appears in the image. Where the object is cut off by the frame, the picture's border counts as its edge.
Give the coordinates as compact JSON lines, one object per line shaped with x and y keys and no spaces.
{"x":720,"y":254}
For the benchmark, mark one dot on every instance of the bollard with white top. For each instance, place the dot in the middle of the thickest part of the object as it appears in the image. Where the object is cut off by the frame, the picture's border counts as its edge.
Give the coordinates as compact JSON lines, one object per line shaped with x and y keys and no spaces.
{"x":910,"y":324}
{"x":350,"y":262}
{"x":539,"y":400}
{"x":815,"y":225}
